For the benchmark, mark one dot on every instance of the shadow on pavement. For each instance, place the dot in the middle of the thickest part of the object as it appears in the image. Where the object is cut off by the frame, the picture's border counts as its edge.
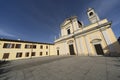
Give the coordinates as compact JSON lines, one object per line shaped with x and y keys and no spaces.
{"x":4,"y":70}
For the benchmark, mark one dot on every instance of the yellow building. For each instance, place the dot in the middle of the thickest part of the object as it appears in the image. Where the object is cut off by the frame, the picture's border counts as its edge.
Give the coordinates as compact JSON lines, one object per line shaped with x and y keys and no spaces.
{"x":92,"y":40}
{"x":17,"y":49}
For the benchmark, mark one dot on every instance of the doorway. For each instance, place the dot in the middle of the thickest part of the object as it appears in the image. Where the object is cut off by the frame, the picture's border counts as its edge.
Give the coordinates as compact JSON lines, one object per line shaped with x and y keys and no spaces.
{"x":99,"y":49}
{"x":71,"y":49}
{"x":57,"y":52}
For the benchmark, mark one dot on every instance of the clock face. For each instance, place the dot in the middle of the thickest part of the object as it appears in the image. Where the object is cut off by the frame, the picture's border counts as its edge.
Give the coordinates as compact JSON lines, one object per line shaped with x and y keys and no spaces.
{"x":91,"y":13}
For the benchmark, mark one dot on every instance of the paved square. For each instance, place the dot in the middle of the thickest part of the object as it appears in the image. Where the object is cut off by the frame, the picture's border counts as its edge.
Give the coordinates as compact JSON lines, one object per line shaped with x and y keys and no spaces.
{"x":62,"y":68}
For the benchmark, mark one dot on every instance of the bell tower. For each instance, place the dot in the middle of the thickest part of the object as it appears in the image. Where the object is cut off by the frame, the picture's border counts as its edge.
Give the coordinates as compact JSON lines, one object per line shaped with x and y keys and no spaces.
{"x":92,"y":16}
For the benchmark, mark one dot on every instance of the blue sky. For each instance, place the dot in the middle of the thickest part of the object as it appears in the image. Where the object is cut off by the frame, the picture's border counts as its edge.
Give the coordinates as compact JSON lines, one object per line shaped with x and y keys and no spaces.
{"x":39,"y":20}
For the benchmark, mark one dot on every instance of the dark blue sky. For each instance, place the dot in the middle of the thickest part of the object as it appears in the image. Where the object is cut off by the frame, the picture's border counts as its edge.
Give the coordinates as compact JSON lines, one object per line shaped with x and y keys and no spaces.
{"x":39,"y":20}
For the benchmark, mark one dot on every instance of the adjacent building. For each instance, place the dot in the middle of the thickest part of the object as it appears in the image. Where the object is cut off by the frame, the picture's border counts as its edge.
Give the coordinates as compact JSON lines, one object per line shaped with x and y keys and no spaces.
{"x":18,"y":49}
{"x":95,"y":39}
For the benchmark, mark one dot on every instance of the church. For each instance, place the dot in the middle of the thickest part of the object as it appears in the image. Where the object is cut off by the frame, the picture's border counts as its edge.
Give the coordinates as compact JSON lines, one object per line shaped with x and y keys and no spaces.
{"x":95,"y":39}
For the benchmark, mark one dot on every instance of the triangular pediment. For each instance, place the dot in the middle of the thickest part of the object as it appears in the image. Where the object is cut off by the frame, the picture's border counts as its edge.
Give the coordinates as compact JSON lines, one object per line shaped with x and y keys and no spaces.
{"x":68,"y":20}
{"x":65,"y":23}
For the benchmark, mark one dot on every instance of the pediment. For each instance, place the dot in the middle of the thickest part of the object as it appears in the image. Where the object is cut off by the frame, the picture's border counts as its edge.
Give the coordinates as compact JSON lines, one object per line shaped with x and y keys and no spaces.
{"x":65,"y":23}
{"x":68,"y":20}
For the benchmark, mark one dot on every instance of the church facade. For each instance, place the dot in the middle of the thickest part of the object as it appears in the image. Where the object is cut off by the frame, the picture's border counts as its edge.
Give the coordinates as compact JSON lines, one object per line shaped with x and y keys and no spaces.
{"x":92,"y":40}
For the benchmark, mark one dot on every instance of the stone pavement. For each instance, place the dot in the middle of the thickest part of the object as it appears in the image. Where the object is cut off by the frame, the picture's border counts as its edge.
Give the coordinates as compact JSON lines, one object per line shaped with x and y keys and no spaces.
{"x":62,"y":68}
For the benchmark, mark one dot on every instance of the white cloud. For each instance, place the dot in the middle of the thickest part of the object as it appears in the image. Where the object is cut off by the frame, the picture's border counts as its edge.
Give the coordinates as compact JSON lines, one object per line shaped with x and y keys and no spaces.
{"x":4,"y":33}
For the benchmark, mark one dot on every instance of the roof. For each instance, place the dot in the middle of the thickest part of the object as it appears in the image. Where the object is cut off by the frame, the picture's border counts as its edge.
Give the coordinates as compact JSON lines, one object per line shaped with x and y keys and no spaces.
{"x":22,"y":41}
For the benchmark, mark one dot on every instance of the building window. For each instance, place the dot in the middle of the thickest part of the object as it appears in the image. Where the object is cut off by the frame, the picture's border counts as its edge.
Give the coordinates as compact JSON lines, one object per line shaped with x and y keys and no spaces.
{"x":46,"y":53}
{"x":33,"y":54}
{"x":19,"y":54}
{"x":8,"y":45}
{"x":30,"y":46}
{"x":18,"y":46}
{"x":68,"y":31}
{"x":12,"y":45}
{"x":34,"y":46}
{"x":40,"y":53}
{"x":6,"y":56}
{"x":41,"y":47}
{"x":46,"y":47}
{"x":27,"y":46}
{"x":27,"y":54}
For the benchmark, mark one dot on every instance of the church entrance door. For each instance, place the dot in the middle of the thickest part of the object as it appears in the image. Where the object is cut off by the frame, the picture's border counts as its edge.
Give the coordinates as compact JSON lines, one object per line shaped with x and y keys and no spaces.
{"x":71,"y":49}
{"x":99,"y":49}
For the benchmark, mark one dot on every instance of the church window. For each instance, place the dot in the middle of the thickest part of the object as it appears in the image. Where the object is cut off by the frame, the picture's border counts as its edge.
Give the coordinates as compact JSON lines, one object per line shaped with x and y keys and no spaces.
{"x":68,"y":31}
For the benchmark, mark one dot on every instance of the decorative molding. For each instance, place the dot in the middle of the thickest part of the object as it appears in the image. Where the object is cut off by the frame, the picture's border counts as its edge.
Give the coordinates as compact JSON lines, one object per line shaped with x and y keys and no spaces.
{"x":96,"y":40}
{"x":58,"y":48}
{"x":70,"y":42}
